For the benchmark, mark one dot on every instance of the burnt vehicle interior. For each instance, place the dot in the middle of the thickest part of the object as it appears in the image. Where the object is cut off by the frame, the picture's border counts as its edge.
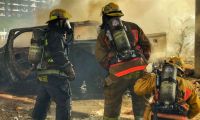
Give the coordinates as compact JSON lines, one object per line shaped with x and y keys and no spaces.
{"x":17,"y":70}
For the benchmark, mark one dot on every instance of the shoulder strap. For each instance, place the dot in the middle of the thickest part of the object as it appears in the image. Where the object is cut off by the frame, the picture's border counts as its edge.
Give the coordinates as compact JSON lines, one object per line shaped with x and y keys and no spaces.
{"x":44,"y":41}
{"x":130,"y":35}
{"x":104,"y":39}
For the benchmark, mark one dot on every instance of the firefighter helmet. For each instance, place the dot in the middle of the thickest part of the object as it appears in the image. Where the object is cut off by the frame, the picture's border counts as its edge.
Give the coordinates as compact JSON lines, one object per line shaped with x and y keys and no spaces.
{"x":59,"y":14}
{"x":178,"y":62}
{"x":112,"y":9}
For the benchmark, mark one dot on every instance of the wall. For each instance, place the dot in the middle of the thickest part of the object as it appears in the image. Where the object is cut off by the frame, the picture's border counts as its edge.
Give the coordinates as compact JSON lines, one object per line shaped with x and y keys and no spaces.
{"x":197,"y":40}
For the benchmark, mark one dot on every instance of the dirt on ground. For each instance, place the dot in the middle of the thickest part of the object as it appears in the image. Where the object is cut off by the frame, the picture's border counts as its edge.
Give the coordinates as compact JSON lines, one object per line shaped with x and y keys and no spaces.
{"x":20,"y":107}
{"x":81,"y":110}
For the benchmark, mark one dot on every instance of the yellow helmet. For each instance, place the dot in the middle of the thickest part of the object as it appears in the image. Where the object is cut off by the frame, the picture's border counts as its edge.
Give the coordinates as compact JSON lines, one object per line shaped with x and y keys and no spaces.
{"x":59,"y":14}
{"x":112,"y":9}
{"x":178,"y":62}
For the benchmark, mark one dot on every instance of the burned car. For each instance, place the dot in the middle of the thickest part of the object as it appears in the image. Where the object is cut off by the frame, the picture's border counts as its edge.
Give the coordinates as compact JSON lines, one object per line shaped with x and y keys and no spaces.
{"x":16,"y":69}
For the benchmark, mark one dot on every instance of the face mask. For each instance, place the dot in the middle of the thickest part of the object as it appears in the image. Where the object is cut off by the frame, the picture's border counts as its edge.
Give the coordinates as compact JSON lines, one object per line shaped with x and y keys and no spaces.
{"x":63,"y":23}
{"x":60,"y":23}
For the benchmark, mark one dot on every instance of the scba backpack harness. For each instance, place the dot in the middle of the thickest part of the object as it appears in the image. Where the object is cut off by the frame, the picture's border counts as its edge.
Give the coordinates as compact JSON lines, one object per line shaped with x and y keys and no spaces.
{"x":123,"y":41}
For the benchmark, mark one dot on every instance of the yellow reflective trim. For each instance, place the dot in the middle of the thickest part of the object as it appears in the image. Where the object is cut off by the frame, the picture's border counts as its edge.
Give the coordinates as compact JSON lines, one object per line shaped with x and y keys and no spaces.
{"x":109,"y":118}
{"x":34,"y":46}
{"x":46,"y":42}
{"x":34,"y":50}
{"x":50,"y":60}
{"x":48,"y":72}
{"x":43,"y":78}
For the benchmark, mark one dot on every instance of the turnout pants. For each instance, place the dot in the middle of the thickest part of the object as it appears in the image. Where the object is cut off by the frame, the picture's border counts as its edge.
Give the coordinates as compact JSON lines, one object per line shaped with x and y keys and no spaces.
{"x":58,"y":90}
{"x":114,"y":89}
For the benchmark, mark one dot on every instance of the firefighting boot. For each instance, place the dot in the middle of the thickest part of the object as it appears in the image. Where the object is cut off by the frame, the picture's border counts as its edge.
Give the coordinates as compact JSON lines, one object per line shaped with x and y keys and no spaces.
{"x":109,"y":118}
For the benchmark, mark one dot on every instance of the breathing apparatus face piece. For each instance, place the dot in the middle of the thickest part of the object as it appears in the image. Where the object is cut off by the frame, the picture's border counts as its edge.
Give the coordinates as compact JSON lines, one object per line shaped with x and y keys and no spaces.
{"x":168,"y":84}
{"x":62,"y":24}
{"x":118,"y":34}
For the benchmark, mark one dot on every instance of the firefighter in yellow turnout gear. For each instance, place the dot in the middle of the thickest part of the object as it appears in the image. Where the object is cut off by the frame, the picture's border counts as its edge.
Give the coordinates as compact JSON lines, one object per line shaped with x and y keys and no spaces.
{"x":187,"y":97}
{"x":121,"y":49}
{"x":54,"y":69}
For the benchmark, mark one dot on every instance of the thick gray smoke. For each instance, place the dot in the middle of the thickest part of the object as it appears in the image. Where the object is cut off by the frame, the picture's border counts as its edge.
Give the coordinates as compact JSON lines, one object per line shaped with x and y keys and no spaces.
{"x":80,"y":10}
{"x":153,"y":16}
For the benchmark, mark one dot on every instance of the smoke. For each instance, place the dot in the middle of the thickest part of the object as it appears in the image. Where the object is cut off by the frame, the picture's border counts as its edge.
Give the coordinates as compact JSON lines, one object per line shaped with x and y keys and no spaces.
{"x":80,"y":10}
{"x":153,"y":16}
{"x":91,"y":9}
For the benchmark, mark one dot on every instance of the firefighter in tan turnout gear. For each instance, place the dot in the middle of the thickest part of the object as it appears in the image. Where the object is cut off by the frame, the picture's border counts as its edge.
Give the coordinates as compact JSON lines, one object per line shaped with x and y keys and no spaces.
{"x":175,"y":98}
{"x":123,"y":50}
{"x":54,"y":69}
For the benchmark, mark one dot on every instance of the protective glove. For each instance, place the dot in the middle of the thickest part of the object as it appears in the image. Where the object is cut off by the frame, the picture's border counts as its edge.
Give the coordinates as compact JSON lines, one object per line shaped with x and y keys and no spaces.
{"x":69,"y":70}
{"x":113,"y":60}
